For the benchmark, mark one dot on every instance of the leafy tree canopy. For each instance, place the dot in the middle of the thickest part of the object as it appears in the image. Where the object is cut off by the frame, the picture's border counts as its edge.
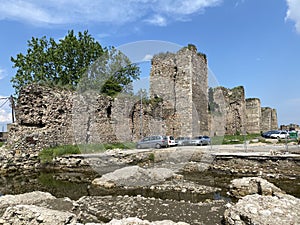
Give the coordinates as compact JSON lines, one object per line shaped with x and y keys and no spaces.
{"x":68,"y":61}
{"x":111,"y":74}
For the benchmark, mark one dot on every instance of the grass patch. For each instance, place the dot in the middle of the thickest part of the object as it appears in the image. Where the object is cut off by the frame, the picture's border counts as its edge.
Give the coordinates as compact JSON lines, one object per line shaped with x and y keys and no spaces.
{"x":1,"y":144}
{"x":233,"y":139}
{"x":98,"y":148}
{"x":47,"y":154}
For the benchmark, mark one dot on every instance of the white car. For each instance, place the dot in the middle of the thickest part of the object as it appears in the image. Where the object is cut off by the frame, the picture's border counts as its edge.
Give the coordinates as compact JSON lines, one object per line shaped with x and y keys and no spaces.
{"x":171,"y":141}
{"x":280,"y":135}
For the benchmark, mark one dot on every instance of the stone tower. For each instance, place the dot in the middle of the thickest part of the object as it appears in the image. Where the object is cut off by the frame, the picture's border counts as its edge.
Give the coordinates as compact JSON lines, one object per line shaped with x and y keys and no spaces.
{"x":253,"y":115}
{"x":268,"y":119}
{"x":181,"y":80}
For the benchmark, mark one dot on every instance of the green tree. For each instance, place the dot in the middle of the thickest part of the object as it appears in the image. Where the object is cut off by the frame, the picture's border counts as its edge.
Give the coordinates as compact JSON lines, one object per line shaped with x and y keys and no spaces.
{"x":111,"y":74}
{"x":67,"y":61}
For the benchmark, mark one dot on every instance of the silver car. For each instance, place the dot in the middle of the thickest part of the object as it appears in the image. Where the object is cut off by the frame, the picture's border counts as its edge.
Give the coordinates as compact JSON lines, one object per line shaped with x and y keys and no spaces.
{"x":201,"y":140}
{"x":183,"y":141}
{"x":157,"y":141}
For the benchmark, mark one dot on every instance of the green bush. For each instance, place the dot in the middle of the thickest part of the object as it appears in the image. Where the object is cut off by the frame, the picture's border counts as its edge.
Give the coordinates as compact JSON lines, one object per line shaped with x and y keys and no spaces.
{"x":47,"y":154}
{"x":1,"y":144}
{"x":151,"y":157}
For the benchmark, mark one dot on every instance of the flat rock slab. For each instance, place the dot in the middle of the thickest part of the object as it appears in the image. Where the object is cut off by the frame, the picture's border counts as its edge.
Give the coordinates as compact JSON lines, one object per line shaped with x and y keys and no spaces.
{"x":134,"y":176}
{"x":152,"y":182}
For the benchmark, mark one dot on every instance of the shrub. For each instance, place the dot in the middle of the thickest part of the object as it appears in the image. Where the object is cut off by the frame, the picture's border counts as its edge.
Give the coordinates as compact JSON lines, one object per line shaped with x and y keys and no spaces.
{"x":47,"y":154}
{"x":151,"y":157}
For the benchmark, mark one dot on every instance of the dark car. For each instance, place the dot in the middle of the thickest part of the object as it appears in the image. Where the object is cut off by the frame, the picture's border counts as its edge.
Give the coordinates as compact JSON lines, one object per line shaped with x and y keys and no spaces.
{"x":156,"y":141}
{"x":201,"y":140}
{"x":268,"y":133}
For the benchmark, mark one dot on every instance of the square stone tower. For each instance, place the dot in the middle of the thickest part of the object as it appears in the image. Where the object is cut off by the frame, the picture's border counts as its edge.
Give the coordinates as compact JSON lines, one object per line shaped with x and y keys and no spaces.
{"x":181,"y":81}
{"x":253,"y":115}
{"x":268,"y":119}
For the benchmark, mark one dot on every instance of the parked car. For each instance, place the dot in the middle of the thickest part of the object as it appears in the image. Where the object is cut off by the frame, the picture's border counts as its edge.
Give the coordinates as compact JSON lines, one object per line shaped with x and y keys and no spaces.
{"x":183,"y":141}
{"x":171,"y":141}
{"x":280,"y":135}
{"x":157,"y":141}
{"x":201,"y":140}
{"x":269,"y":133}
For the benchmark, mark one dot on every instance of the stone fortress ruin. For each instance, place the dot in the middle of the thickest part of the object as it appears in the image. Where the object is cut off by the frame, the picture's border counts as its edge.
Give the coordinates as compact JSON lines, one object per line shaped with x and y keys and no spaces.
{"x":180,"y":104}
{"x":181,"y":80}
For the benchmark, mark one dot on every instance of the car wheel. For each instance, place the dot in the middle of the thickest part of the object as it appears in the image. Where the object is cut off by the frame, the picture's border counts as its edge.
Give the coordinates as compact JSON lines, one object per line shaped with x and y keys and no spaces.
{"x":157,"y":146}
{"x":138,"y":146}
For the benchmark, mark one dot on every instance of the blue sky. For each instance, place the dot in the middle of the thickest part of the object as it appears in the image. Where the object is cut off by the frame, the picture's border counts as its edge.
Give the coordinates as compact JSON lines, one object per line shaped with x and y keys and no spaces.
{"x":254,"y":43}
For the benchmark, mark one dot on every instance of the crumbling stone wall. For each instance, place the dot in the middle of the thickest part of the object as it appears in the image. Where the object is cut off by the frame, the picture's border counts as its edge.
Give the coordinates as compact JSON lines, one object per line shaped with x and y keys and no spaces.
{"x":217,"y":111}
{"x":240,"y":115}
{"x":134,"y":118}
{"x":253,"y":115}
{"x":181,"y":81}
{"x":150,"y":118}
{"x":49,"y":117}
{"x":232,"y":103}
{"x":268,"y":119}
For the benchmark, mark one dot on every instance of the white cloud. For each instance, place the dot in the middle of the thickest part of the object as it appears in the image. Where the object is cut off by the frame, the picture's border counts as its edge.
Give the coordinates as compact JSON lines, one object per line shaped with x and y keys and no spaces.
{"x":2,"y":73}
{"x":105,"y":11}
{"x":157,"y":20}
{"x":5,"y":116}
{"x":185,"y":7}
{"x":239,"y":2}
{"x":293,"y":13}
{"x":5,"y":111}
{"x":147,"y":57}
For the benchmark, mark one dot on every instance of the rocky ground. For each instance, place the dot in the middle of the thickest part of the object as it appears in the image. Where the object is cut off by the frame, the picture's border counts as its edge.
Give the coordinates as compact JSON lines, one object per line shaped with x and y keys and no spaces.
{"x":260,"y":202}
{"x":147,"y":187}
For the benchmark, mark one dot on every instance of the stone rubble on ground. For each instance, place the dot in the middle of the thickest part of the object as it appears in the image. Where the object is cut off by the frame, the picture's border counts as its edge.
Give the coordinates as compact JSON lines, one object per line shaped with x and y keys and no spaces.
{"x":264,"y":210}
{"x":260,"y":203}
{"x":31,"y":214}
{"x":252,"y":185}
{"x":100,"y":209}
{"x":31,"y":198}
